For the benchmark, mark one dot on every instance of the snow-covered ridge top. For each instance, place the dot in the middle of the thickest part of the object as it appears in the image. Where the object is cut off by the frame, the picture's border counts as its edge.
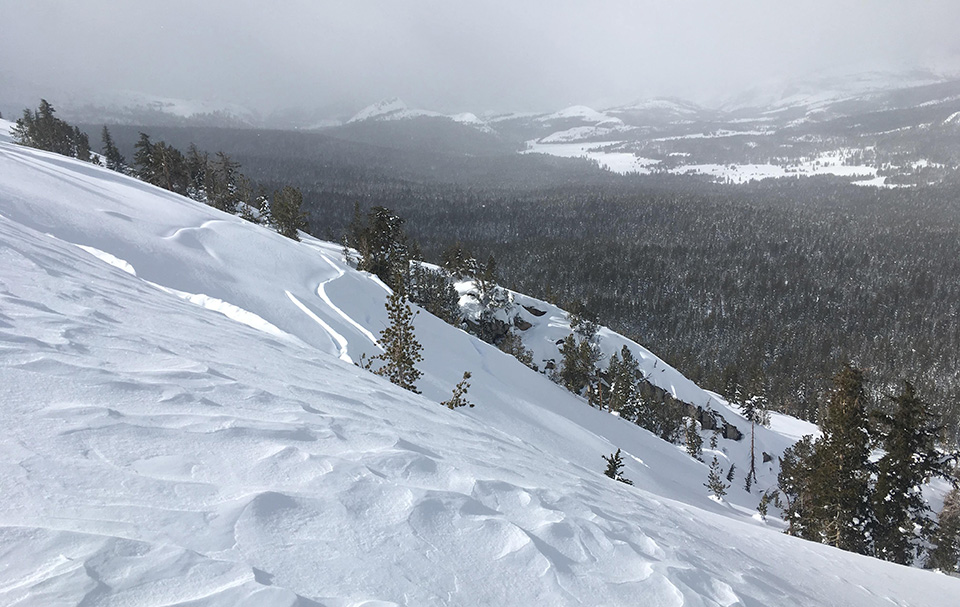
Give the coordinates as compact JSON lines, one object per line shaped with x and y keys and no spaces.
{"x":395,"y":109}
{"x":379,"y":110}
{"x":657,"y":104}
{"x":581,"y":112}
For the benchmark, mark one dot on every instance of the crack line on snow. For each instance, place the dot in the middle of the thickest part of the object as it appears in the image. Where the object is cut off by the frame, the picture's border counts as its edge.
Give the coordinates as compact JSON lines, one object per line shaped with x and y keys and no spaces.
{"x":338,"y":339}
{"x":323,"y":295}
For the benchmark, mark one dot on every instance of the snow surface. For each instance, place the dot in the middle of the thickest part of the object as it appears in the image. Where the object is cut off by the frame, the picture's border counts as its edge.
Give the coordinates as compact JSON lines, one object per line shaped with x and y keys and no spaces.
{"x":395,"y":109}
{"x":158,"y":450}
{"x":618,"y":162}
{"x":566,"y":144}
{"x":580,"y":112}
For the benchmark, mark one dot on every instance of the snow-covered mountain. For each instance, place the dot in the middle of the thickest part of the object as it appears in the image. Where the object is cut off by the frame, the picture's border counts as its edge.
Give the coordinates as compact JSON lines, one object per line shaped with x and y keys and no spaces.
{"x":870,"y":129}
{"x":182,"y":424}
{"x":395,"y":109}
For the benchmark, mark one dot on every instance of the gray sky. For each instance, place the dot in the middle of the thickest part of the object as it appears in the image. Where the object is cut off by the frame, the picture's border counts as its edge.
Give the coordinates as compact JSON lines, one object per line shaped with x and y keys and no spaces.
{"x":462,"y":56}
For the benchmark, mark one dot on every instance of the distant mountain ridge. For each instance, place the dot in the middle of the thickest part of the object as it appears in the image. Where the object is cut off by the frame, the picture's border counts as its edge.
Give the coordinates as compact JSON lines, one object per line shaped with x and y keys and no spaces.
{"x":874,"y":129}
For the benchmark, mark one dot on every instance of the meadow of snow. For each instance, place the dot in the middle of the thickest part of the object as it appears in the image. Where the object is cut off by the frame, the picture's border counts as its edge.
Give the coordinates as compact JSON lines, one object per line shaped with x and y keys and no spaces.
{"x":565,"y":144}
{"x":618,"y":162}
{"x":182,"y":425}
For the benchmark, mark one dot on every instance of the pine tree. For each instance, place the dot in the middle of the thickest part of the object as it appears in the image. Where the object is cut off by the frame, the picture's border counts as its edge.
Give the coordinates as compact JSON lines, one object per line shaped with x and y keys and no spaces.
{"x":288,"y":218}
{"x":459,"y":392}
{"x":615,"y":467}
{"x":80,"y":145}
{"x":401,"y":350}
{"x":693,"y":439}
{"x":459,"y":261}
{"x":115,"y":160}
{"x":221,"y":184}
{"x":578,"y":365}
{"x":382,"y":244}
{"x":433,"y":290}
{"x":622,"y":373}
{"x":840,"y":491}
{"x":143,"y":158}
{"x":715,"y":480}
{"x":754,"y":409}
{"x":512,"y":344}
{"x":161,"y":165}
{"x":909,"y":438}
{"x":795,"y":484}
{"x":486,"y":281}
{"x":45,"y":131}
{"x":197,"y":164}
{"x":763,"y":508}
{"x":946,"y":553}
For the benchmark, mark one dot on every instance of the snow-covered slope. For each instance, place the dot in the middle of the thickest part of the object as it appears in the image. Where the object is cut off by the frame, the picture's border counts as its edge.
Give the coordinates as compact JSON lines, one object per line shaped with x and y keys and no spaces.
{"x":396,"y":109}
{"x":181,"y":425}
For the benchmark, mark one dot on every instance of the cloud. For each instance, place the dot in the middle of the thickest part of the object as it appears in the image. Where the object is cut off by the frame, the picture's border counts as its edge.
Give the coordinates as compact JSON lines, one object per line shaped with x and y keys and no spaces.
{"x":458,"y":56}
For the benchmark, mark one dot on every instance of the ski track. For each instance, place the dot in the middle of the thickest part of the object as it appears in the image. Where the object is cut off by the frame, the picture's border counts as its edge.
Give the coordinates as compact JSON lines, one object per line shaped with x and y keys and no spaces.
{"x":338,"y":339}
{"x":323,"y":295}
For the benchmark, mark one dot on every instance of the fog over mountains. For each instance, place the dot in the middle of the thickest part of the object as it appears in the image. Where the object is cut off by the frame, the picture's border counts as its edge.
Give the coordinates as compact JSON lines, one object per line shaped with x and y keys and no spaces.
{"x":333,"y":58}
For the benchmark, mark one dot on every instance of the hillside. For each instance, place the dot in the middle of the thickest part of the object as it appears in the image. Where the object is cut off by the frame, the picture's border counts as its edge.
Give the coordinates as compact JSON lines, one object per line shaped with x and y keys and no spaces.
{"x":183,"y":424}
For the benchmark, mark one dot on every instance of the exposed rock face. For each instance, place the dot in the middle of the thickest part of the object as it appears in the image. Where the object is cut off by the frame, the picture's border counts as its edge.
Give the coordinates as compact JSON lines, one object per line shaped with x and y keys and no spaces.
{"x":708,"y":418}
{"x":534,"y":311}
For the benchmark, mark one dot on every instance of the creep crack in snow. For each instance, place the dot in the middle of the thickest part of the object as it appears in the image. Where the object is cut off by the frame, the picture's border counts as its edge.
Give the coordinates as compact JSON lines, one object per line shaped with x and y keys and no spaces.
{"x":338,"y":339}
{"x":323,"y":295}
{"x":229,"y":310}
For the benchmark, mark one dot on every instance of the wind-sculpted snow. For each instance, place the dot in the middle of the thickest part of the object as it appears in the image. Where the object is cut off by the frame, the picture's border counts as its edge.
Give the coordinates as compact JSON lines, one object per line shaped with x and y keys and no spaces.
{"x":157,"y":452}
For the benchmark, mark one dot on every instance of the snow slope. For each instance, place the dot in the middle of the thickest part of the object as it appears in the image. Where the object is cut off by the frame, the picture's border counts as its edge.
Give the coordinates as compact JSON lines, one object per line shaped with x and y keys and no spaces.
{"x":181,"y":426}
{"x":396,"y":109}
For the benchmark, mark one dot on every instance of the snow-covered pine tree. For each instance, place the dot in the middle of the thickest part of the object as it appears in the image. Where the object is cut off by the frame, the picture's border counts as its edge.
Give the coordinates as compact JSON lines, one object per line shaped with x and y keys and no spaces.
{"x":908,"y":436}
{"x":615,"y":467}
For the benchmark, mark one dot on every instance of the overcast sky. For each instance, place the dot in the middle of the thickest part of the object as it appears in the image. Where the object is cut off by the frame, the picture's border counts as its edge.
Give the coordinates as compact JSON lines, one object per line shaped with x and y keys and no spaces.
{"x":460,"y":56}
